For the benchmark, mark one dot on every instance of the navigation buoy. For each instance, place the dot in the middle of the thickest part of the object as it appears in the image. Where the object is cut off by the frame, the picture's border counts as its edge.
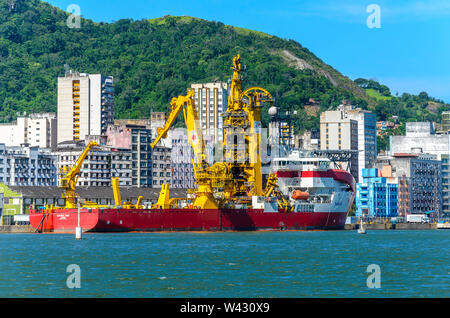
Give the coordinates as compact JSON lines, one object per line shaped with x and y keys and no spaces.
{"x":78,"y":232}
{"x":78,"y":229}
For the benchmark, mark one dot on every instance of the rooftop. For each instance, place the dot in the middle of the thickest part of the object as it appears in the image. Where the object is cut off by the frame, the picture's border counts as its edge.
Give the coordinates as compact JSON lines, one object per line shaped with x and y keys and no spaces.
{"x":90,"y":193}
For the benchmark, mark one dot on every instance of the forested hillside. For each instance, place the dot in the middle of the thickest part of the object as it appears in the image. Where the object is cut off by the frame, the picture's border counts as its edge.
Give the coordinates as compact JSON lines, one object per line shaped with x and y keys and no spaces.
{"x":407,"y":107}
{"x":154,"y":60}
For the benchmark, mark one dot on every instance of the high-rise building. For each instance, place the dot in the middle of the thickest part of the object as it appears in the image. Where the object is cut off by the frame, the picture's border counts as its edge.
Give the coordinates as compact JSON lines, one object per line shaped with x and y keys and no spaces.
{"x":419,"y":180}
{"x":121,"y":166}
{"x":211,"y":101}
{"x":35,"y":130}
{"x":161,"y":166}
{"x":420,"y":138}
{"x":137,"y":139}
{"x":85,"y":105}
{"x":367,"y":137}
{"x":181,"y":160}
{"x":337,"y":131}
{"x":445,"y":159}
{"x":102,"y":103}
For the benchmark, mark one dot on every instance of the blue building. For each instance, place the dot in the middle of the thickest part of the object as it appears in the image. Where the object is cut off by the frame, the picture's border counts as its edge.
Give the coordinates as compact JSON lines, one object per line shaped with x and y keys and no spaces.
{"x":375,"y":197}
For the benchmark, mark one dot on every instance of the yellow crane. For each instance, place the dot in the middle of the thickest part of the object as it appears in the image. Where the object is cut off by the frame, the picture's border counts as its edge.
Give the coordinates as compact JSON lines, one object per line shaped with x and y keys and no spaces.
{"x":204,"y":198}
{"x":235,"y":180}
{"x":118,"y":197}
{"x":272,"y":189}
{"x":70,"y":177}
{"x":242,"y":134}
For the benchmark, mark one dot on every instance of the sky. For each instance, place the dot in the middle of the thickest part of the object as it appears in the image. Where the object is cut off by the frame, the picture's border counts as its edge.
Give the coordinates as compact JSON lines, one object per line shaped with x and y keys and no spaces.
{"x":404,"y":44}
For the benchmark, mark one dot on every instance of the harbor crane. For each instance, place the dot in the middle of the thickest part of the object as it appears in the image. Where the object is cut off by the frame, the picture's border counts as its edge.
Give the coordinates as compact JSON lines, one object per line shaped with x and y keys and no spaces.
{"x":70,"y":177}
{"x":234,"y":181}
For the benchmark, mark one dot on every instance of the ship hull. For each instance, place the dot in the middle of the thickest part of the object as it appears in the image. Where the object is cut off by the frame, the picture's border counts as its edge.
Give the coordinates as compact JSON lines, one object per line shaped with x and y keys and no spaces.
{"x":126,"y":220}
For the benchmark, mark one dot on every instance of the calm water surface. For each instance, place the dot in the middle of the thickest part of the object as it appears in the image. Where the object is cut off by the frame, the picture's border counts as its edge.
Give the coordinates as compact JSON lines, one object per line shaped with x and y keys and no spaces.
{"x":250,"y":264}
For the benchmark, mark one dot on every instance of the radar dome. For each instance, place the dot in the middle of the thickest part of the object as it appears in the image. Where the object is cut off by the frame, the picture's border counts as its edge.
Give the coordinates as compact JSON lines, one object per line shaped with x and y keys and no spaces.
{"x":272,"y":111}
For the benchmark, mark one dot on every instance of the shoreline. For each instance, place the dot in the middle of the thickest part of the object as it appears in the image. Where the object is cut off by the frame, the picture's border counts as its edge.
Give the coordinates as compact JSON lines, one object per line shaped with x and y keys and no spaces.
{"x":10,"y":229}
{"x":397,"y":226}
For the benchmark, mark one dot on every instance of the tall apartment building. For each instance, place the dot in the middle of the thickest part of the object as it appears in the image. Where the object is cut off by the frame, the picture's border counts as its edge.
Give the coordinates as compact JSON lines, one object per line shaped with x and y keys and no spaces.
{"x":445,"y":159}
{"x":419,"y":182}
{"x":420,"y":138}
{"x":96,"y":168}
{"x":121,"y":166}
{"x":162,"y":167}
{"x":341,"y":134}
{"x":181,"y":160}
{"x":367,"y":137}
{"x":27,"y":166}
{"x":36,"y":130}
{"x":85,"y":105}
{"x":338,"y":132}
{"x":137,"y":139}
{"x":211,"y":101}
{"x":376,"y":196}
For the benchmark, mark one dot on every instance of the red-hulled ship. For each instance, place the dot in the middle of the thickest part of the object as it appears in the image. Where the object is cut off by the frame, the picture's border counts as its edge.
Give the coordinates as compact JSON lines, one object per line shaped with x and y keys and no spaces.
{"x":321,"y":198}
{"x":301,"y":192}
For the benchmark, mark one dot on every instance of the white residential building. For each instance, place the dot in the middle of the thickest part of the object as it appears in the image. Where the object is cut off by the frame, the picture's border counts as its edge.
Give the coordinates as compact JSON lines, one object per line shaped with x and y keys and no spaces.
{"x":181,"y":157}
{"x":96,"y":168}
{"x":211,"y":101}
{"x":350,"y":129}
{"x":338,"y":132}
{"x":367,"y":137}
{"x":35,"y":130}
{"x":121,"y":166}
{"x":85,"y":105}
{"x":420,"y":137}
{"x":27,"y":166}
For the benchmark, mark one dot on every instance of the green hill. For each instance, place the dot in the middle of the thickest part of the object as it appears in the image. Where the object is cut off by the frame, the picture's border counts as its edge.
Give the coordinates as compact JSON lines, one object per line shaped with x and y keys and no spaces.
{"x":407,"y":107}
{"x":154,"y":60}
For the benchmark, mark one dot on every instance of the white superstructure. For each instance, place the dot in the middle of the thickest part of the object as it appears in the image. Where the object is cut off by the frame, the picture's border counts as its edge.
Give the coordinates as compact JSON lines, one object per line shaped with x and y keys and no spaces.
{"x":321,"y":188}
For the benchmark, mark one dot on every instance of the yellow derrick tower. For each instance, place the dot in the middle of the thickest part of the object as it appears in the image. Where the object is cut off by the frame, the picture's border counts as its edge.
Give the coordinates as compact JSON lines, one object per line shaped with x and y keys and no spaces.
{"x":242,"y":135}
{"x":238,"y":178}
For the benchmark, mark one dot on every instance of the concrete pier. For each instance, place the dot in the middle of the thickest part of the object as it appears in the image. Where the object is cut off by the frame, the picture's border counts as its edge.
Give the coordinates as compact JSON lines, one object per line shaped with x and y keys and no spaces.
{"x":390,"y":226}
{"x":16,"y":229}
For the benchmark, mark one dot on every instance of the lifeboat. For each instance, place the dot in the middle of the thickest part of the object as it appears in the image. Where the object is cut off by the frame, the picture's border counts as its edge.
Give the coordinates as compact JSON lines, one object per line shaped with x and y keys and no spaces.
{"x":300,"y":195}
